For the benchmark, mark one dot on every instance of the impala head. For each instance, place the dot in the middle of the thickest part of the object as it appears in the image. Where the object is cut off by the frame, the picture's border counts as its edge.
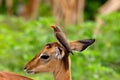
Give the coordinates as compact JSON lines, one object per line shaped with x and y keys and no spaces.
{"x":53,"y":55}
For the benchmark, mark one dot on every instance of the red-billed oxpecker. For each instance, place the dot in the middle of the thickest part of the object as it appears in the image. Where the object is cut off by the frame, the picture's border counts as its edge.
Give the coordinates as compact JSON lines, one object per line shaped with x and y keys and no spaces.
{"x":60,"y":36}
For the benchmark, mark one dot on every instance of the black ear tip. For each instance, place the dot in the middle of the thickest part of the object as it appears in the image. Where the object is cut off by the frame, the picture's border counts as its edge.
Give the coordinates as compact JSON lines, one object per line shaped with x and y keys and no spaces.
{"x":87,"y":41}
{"x":92,"y":41}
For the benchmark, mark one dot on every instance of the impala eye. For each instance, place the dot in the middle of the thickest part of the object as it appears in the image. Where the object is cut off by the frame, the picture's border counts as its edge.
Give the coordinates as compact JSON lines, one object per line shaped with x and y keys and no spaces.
{"x":44,"y":56}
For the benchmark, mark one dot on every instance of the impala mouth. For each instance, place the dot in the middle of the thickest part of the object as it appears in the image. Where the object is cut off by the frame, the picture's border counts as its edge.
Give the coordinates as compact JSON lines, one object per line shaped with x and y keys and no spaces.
{"x":29,"y":71}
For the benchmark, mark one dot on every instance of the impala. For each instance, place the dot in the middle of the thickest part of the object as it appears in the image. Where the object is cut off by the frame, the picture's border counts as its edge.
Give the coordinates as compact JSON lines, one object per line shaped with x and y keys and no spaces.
{"x":52,"y":58}
{"x":12,"y":76}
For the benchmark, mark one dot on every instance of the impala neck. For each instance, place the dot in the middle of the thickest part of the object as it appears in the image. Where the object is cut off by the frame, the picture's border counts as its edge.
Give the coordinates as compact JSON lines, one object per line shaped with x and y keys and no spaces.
{"x":60,"y":73}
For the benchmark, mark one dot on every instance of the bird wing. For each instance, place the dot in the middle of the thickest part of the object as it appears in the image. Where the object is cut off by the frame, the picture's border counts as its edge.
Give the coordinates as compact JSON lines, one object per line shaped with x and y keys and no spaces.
{"x":63,"y":41}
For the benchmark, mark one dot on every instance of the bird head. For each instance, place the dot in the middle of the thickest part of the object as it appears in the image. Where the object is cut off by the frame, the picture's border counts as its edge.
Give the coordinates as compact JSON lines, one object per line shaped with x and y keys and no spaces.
{"x":56,"y":28}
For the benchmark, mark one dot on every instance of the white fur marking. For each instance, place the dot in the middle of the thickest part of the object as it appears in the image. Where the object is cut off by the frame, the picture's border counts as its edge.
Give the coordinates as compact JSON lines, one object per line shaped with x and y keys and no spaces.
{"x":58,"y":54}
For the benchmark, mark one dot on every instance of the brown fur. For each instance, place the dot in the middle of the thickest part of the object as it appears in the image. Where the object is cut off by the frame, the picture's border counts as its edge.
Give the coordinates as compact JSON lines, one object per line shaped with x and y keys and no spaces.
{"x":12,"y":76}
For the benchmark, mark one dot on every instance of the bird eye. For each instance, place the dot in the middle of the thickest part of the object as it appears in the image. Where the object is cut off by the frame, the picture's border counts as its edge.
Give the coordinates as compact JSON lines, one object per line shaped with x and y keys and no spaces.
{"x":44,"y":57}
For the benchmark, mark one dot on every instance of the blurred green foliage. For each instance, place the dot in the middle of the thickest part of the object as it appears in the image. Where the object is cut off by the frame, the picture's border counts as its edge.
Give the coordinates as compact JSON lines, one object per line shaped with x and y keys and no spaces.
{"x":91,"y":8}
{"x":21,"y":40}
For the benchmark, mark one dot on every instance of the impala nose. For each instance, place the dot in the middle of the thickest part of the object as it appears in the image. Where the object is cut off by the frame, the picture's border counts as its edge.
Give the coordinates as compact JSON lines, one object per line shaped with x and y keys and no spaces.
{"x":25,"y":68}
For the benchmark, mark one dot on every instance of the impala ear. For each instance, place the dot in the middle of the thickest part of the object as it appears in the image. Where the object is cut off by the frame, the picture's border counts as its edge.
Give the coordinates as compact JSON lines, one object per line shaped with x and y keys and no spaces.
{"x":59,"y":52}
{"x":81,"y":45}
